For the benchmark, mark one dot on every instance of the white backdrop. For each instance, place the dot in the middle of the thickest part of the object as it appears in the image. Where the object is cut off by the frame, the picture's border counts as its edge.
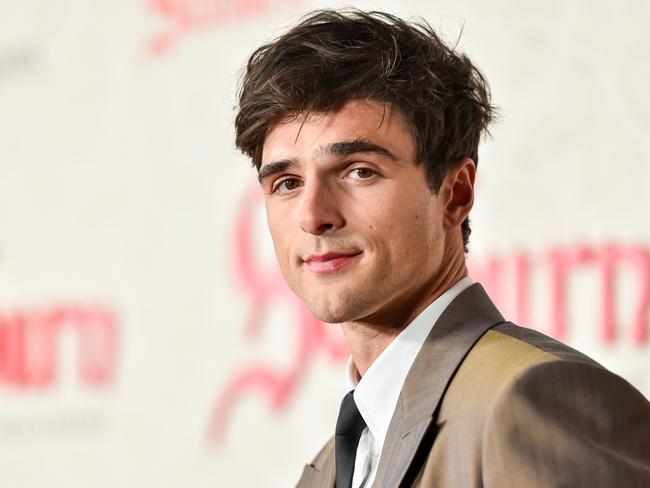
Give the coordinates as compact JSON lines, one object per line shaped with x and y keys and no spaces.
{"x":145,"y":336}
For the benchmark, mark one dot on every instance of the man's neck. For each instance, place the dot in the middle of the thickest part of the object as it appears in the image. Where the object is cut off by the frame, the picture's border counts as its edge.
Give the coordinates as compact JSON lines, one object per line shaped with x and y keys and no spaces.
{"x":368,"y":338}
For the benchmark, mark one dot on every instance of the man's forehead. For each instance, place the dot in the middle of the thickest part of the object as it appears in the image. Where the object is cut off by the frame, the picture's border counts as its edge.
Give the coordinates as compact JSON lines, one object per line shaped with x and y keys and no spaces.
{"x":366,"y":120}
{"x":383,"y":111}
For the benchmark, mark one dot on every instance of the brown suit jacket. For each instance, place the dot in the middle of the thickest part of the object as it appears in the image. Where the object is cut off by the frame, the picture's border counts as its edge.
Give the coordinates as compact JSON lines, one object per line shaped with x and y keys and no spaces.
{"x":488,"y":403}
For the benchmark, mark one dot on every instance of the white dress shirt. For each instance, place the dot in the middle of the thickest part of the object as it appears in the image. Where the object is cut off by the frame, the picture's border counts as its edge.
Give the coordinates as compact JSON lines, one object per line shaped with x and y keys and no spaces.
{"x":377,"y":392}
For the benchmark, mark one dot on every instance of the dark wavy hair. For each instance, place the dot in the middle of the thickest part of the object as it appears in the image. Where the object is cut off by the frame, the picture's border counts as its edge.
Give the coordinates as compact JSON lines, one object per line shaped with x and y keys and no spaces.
{"x":333,"y":56}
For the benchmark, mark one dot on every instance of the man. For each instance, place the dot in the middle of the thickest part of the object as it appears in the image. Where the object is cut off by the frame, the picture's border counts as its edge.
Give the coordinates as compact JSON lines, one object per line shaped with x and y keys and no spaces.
{"x":364,"y":129}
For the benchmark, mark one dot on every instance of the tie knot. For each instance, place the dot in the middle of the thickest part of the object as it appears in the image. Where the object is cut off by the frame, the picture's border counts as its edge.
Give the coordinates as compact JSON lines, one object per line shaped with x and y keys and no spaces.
{"x":350,"y":421}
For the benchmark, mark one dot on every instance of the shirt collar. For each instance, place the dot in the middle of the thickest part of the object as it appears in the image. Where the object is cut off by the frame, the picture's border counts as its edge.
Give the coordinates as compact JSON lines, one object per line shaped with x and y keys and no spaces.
{"x":376,"y":394}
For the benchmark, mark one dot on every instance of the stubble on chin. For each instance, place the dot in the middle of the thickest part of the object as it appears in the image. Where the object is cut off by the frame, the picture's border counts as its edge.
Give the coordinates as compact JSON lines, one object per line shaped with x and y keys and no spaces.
{"x":336,"y":307}
{"x":329,"y":312}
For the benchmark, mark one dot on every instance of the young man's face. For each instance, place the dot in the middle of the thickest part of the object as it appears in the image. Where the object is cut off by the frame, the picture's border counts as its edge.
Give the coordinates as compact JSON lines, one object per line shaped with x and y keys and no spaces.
{"x":358,"y":233}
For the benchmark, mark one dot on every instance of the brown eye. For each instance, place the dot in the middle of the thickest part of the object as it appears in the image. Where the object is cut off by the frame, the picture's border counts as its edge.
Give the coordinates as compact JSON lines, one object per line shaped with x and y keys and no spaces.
{"x":286,"y":185}
{"x":290,"y":184}
{"x":361,"y":173}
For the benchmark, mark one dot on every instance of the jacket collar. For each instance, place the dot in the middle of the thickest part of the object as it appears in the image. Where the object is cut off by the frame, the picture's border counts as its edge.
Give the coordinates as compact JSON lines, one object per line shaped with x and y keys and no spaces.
{"x":460,"y":326}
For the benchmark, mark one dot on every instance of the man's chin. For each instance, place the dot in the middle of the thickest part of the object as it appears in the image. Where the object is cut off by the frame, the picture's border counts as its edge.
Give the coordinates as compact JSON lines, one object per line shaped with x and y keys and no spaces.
{"x":333,"y":314}
{"x":334,"y":304}
{"x":331,"y":318}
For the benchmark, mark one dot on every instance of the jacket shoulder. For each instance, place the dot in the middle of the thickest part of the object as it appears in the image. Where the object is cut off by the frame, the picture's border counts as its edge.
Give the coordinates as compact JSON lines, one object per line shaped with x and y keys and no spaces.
{"x":508,"y":350}
{"x":525,"y":347}
{"x":567,"y":421}
{"x":502,"y":356}
{"x":524,"y":410}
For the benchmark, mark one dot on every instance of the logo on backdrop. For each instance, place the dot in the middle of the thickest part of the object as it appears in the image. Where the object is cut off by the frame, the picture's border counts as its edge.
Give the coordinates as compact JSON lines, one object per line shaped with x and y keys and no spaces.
{"x":184,"y":17}
{"x":507,"y":279}
{"x":29,"y":345}
{"x":32,"y":360}
{"x":559,"y":264}
{"x":30,"y":341}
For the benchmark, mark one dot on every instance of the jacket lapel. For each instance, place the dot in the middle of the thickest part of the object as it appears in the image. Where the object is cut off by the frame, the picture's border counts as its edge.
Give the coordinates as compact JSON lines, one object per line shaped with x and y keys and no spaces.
{"x":322,"y":472}
{"x":459,"y":327}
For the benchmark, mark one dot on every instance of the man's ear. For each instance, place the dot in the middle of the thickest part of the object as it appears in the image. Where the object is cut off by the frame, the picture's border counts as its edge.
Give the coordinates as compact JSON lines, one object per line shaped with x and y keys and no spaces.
{"x":458,"y":192}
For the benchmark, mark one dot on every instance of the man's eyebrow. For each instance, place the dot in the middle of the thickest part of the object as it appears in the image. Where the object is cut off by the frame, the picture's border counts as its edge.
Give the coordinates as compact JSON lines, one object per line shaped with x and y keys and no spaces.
{"x":359,"y":145}
{"x":274,"y":167}
{"x":343,"y":148}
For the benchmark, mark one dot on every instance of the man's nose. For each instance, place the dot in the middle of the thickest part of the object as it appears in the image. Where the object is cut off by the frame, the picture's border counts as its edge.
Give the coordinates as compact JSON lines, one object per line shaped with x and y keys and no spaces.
{"x":320,"y":210}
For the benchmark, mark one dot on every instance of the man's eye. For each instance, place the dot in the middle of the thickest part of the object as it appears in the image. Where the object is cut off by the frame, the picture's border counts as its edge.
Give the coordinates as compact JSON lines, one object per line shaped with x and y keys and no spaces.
{"x":361,"y":173}
{"x":286,"y":185}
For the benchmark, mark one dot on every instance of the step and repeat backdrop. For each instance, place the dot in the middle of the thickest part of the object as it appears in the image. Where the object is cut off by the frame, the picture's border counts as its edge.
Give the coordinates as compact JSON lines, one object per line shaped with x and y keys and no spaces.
{"x":146,"y":336}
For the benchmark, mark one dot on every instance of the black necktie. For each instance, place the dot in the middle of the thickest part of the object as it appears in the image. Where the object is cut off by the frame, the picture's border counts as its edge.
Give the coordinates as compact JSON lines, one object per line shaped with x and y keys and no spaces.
{"x":349,"y":427}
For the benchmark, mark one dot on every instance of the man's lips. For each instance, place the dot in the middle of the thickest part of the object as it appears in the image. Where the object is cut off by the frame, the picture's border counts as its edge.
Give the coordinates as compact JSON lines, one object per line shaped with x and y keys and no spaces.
{"x":331,"y":261}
